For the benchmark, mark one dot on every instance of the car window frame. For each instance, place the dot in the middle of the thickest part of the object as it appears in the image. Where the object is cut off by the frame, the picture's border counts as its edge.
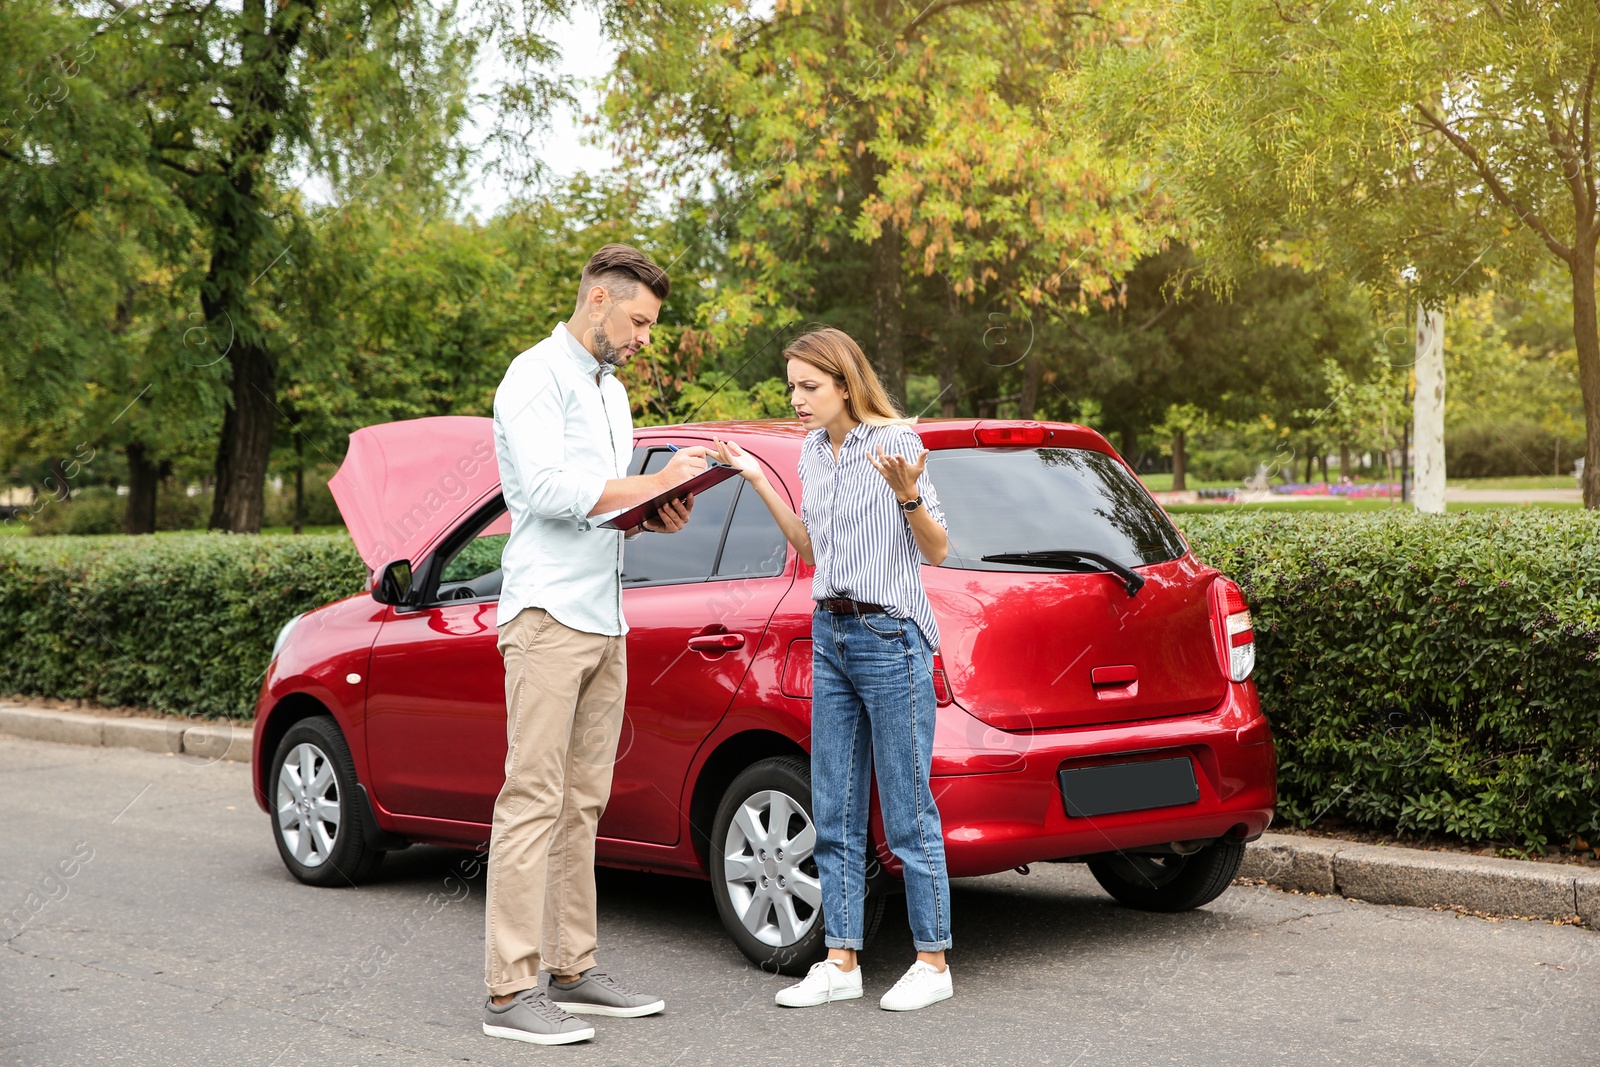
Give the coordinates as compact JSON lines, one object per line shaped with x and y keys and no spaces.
{"x":428,"y":577}
{"x":640,"y":463}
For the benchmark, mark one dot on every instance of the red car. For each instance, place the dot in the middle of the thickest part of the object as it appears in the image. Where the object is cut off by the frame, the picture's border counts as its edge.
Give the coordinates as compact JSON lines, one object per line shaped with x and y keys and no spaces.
{"x":1095,"y":701}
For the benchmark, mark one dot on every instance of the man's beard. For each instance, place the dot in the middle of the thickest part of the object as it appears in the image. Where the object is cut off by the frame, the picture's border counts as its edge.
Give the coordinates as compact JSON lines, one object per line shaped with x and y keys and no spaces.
{"x":605,"y":351}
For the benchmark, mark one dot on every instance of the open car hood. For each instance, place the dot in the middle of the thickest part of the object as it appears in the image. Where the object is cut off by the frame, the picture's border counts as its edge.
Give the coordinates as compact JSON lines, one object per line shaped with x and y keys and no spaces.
{"x":404,"y":484}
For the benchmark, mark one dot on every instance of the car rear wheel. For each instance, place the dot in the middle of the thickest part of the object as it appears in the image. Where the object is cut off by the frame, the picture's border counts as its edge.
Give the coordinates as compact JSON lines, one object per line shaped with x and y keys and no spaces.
{"x":316,"y":813}
{"x":1169,"y":882}
{"x":763,"y":875}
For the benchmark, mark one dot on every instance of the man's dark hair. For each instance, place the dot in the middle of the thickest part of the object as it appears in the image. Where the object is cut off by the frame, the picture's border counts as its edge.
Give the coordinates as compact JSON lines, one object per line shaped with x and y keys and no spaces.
{"x":621,"y":269}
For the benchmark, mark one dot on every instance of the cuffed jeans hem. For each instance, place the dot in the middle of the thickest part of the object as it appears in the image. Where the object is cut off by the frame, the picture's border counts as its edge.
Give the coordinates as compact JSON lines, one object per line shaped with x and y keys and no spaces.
{"x":515,"y":985}
{"x":931,"y":946}
{"x":854,"y":943}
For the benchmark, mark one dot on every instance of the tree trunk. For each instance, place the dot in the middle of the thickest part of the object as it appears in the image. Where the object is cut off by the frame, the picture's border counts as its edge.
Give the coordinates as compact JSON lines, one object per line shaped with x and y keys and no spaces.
{"x":1587,"y":338}
{"x":1130,"y":442}
{"x":144,"y":478}
{"x":1311,"y":448}
{"x":1344,"y":462}
{"x":1180,"y":463}
{"x":246,"y":443}
{"x":1029,"y":402}
{"x":887,"y":292}
{"x":299,"y":481}
{"x":1428,"y":413}
{"x":239,"y":260}
{"x":63,"y":490}
{"x":949,"y":361}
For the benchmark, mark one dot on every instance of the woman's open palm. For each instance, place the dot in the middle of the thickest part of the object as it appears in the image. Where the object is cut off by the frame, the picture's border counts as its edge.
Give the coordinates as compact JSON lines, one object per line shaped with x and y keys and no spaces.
{"x":899,"y":472}
{"x":734,"y":456}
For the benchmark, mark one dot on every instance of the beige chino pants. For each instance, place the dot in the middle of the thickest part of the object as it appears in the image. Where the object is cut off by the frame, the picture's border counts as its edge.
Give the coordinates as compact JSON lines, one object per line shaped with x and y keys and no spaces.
{"x":564,"y":706}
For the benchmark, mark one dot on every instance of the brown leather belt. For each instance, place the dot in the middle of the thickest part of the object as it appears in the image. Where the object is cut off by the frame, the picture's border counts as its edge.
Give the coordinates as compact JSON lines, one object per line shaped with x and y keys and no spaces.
{"x":840,"y":605}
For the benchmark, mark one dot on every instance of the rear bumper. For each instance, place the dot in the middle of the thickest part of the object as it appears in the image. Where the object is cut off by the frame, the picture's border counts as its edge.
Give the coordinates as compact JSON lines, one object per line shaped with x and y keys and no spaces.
{"x":995,"y":818}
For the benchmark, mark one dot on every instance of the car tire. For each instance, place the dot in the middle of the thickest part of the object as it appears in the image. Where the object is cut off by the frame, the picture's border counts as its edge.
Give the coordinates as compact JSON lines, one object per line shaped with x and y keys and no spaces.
{"x":318,"y":825}
{"x":1169,"y":882}
{"x":763,"y":876}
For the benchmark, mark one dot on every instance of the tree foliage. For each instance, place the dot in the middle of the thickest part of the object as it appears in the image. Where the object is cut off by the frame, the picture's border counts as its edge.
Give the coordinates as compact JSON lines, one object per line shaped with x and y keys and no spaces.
{"x":1428,"y":148}
{"x":857,"y":153}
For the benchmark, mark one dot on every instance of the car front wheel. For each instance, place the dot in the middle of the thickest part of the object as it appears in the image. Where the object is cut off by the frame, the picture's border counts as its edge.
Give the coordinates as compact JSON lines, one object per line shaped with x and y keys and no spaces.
{"x":763,"y":875}
{"x":316,"y":815}
{"x":1169,"y":882}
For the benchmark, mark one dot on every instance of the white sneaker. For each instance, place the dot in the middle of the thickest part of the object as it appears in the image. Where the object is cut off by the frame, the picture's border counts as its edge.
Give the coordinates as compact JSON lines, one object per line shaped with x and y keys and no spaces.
{"x":922,"y":985}
{"x":824,"y":982}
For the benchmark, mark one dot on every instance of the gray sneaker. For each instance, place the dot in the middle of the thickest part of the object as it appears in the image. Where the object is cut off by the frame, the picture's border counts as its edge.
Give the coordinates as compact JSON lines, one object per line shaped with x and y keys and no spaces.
{"x":530,"y":1016}
{"x":597,"y":993}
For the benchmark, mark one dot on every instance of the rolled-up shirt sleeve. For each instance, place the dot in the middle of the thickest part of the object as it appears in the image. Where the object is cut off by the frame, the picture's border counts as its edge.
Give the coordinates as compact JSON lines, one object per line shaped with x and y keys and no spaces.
{"x":534,"y":421}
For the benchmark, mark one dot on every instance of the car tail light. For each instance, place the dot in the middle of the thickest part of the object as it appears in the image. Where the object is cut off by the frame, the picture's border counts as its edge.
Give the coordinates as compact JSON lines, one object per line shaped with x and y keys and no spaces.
{"x":1011,"y":435}
{"x":1238,"y":632}
{"x":941,"y":685}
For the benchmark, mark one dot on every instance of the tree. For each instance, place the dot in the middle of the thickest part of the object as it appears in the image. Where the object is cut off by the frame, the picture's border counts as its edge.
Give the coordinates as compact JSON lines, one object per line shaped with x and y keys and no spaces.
{"x":207,"y":118}
{"x":1428,"y":148}
{"x":856,"y":152}
{"x":1255,"y":350}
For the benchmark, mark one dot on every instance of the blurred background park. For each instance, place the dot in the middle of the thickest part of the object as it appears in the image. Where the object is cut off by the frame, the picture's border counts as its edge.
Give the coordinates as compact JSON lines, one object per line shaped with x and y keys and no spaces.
{"x":234,"y":232}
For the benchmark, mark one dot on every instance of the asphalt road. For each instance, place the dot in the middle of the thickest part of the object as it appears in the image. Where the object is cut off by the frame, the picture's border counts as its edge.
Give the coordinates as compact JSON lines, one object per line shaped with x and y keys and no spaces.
{"x":149,"y":921}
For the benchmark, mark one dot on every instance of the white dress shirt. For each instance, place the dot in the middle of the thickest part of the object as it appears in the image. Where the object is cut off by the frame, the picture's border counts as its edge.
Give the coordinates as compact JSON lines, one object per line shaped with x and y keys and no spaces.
{"x":559,"y":436}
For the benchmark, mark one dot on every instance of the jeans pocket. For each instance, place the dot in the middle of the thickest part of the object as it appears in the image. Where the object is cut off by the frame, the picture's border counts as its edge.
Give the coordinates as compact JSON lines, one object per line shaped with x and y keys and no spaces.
{"x":890,"y":628}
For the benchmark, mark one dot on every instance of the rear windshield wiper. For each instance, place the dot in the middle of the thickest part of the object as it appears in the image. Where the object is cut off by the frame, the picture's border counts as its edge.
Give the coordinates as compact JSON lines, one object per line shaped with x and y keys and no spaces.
{"x":1071,"y":559}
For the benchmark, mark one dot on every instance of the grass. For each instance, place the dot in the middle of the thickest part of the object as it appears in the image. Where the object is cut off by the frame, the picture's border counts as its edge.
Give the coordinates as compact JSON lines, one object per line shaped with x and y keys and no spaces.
{"x":1324,"y":504}
{"x":303,"y":529}
{"x":1532,"y":481}
{"x":1161,"y":483}
{"x":185,"y":533}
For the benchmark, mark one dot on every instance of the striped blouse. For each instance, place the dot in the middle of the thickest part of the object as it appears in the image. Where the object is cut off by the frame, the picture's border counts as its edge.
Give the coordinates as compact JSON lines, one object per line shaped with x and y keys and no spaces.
{"x":860,"y":536}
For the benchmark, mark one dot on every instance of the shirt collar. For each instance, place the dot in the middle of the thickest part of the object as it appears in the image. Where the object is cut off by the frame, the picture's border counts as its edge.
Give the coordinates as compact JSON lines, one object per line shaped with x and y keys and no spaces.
{"x":580,"y":355}
{"x":819,"y":436}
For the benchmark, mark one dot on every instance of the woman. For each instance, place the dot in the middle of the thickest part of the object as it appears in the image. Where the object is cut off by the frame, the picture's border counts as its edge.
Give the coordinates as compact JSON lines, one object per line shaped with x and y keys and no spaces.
{"x":870,"y":517}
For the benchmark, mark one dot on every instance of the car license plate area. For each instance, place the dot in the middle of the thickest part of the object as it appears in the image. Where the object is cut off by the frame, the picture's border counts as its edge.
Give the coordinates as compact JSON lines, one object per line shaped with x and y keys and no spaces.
{"x":1116,"y":787}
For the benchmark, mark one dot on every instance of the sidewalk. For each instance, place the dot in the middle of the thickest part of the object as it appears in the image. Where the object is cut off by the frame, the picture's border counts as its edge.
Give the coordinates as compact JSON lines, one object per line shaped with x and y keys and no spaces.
{"x":1378,"y":874}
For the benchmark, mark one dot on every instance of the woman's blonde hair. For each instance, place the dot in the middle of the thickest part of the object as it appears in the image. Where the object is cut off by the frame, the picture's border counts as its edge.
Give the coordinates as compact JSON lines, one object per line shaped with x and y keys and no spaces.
{"x":836,"y":354}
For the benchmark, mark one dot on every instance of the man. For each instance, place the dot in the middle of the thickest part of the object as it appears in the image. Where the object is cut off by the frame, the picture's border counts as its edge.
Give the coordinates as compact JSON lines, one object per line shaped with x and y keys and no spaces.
{"x":564,"y":436}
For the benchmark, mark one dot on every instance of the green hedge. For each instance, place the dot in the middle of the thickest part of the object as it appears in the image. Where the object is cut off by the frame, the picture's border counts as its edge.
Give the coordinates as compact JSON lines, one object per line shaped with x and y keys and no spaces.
{"x":1427,"y":674}
{"x":181,"y":623}
{"x":1422,"y":674}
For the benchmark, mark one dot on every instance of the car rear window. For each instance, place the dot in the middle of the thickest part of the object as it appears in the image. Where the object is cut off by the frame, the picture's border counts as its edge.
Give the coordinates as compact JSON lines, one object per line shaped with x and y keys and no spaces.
{"x":1032,"y":499}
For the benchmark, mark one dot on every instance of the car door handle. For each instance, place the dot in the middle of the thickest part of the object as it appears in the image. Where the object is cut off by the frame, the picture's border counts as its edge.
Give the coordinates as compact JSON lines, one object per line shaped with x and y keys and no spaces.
{"x":716,"y":643}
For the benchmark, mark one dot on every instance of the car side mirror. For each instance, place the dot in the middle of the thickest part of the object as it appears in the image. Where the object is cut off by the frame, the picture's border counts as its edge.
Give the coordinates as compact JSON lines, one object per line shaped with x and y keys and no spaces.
{"x":394,"y":584}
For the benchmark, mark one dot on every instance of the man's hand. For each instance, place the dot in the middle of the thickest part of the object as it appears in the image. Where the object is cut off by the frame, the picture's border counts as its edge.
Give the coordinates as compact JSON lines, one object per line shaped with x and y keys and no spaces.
{"x":673,"y":516}
{"x":684,"y":464}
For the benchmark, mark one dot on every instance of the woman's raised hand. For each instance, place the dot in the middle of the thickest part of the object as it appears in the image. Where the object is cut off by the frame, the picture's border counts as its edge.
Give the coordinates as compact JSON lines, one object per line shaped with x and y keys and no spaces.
{"x":899,"y":472}
{"x":748,"y":466}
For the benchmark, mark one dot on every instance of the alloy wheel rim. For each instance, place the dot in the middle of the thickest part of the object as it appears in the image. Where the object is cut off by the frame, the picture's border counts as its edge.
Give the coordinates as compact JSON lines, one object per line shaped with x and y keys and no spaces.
{"x":308,"y":804}
{"x":768,"y":868}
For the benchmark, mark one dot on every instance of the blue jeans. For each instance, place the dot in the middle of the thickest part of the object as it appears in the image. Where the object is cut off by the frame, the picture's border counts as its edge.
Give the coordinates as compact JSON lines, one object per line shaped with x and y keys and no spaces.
{"x":872,"y":706}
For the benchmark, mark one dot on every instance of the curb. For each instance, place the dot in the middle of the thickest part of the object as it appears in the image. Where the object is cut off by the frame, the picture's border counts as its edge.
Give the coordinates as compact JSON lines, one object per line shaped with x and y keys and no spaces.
{"x":1420,"y":878}
{"x":209,"y":743}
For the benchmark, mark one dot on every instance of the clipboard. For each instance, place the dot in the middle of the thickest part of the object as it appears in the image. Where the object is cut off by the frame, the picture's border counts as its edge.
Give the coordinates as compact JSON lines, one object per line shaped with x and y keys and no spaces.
{"x":715,"y":474}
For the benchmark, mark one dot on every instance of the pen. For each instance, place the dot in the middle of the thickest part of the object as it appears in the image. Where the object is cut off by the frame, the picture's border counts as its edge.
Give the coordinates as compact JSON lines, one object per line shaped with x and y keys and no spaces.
{"x":672,"y":448}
